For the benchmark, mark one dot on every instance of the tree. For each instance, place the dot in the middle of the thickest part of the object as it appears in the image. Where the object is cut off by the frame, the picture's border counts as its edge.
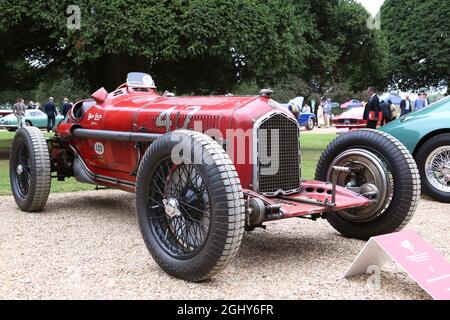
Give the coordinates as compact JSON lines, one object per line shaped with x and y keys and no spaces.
{"x":192,"y":46}
{"x":418,"y":36}
{"x":346,"y":50}
{"x":185,"y":44}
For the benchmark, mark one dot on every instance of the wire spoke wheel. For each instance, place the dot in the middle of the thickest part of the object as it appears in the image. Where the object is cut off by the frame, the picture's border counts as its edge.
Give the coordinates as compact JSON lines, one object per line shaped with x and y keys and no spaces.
{"x":179,"y":208}
{"x":437,"y":168}
{"x":29,"y":169}
{"x":23,"y":170}
{"x":190,"y":211}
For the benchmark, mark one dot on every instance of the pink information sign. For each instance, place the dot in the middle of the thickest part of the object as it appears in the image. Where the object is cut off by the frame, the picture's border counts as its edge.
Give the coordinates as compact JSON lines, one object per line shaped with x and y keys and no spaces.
{"x":413,"y":254}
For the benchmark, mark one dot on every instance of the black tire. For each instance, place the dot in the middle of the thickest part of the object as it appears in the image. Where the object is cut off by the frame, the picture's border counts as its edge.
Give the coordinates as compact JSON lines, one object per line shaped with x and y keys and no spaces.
{"x":424,"y":158}
{"x":396,"y":201}
{"x":12,"y":129}
{"x":310,"y":125}
{"x":222,"y":225}
{"x":29,"y":169}
{"x":28,"y":123}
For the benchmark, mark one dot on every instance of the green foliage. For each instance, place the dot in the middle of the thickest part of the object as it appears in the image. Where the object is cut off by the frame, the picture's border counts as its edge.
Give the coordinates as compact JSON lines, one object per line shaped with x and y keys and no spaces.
{"x":186,"y":45}
{"x":346,"y":50}
{"x":247,"y":88}
{"x":342,"y":92}
{"x":291,"y":87}
{"x":418,"y":36}
{"x":59,"y":89}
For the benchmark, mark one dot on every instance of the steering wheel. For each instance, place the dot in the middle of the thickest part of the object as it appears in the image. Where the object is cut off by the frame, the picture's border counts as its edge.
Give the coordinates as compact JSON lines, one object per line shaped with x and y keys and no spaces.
{"x":122,"y":86}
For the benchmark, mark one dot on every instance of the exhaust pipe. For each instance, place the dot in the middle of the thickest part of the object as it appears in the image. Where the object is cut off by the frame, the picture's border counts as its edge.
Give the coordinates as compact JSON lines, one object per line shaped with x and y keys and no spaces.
{"x":114,"y":135}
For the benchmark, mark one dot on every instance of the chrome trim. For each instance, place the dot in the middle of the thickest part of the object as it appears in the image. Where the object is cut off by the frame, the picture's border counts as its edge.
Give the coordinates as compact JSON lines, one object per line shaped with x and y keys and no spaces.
{"x":114,"y":135}
{"x":256,"y":127}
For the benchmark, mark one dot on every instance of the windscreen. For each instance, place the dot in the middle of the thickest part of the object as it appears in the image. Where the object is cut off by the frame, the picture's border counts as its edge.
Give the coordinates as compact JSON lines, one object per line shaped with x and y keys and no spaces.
{"x":140,"y":80}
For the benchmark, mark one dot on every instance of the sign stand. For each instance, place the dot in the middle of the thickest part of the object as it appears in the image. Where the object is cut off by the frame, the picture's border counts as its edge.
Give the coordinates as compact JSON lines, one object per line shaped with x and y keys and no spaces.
{"x":415,"y":256}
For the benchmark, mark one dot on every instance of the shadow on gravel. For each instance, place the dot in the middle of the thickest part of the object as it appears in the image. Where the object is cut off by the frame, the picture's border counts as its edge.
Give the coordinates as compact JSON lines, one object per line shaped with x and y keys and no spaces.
{"x":121,"y":204}
{"x":295,"y":246}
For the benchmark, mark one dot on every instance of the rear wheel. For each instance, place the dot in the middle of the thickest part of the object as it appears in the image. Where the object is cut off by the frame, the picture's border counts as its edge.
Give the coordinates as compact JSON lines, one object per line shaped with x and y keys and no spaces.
{"x":29,"y":169}
{"x":311,"y":123}
{"x":28,"y":123}
{"x":433,"y":159}
{"x":191,"y":213}
{"x":384,"y":170}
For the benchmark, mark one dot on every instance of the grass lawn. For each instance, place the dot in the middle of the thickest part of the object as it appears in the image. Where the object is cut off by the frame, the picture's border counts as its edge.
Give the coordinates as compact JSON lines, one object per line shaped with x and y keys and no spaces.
{"x":69,"y":185}
{"x":5,"y":140}
{"x":312,"y":147}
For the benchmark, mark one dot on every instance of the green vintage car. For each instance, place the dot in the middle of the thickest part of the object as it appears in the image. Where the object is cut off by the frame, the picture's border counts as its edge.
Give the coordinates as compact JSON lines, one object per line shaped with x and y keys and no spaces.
{"x":34,"y":117}
{"x":426,"y":134}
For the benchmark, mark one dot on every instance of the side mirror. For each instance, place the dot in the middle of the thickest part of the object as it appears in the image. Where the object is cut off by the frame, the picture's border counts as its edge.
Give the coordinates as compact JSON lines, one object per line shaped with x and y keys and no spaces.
{"x":100,"y":95}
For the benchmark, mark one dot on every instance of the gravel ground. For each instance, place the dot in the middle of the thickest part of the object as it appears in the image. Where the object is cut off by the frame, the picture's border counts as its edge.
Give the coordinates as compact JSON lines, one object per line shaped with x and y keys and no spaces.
{"x":88,"y":246}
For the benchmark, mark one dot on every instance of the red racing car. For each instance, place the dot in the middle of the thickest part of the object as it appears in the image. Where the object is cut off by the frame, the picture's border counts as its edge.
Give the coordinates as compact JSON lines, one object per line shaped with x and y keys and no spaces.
{"x":206,"y":169}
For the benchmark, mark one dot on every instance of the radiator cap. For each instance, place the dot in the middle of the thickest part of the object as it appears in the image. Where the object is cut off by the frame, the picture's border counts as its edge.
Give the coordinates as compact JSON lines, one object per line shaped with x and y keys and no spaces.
{"x":266,"y":93}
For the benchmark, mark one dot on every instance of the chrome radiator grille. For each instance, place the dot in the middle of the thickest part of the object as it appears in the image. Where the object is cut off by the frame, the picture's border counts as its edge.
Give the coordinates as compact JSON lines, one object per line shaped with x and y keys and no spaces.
{"x":278,"y":158}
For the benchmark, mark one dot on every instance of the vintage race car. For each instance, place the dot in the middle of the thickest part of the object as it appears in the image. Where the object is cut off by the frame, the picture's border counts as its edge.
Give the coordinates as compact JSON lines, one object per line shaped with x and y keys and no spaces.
{"x":426,"y":134}
{"x":33,"y":117}
{"x":351,"y":119}
{"x":305,"y":119}
{"x":206,"y":169}
{"x":5,"y":112}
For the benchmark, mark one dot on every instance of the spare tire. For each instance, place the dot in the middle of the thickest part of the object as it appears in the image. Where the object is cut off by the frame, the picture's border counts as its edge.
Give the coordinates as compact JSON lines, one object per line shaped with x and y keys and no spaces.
{"x":191,"y":213}
{"x":382,"y":166}
{"x":29,"y":169}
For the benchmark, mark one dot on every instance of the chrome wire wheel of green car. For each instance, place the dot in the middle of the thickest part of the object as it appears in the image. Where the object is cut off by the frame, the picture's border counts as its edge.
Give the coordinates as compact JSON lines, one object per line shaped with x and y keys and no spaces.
{"x":190,"y":210}
{"x":433,"y":160}
{"x":382,"y":170}
{"x":29,"y":169}
{"x":438,"y":168}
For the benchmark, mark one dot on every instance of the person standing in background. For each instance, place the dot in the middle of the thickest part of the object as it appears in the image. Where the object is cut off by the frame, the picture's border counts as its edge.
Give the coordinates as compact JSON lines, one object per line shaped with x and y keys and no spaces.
{"x":405,"y":106}
{"x":420,"y":102}
{"x":385,"y":108}
{"x":19,"y":111}
{"x":50,"y":110}
{"x":425,"y":98}
{"x":327,"y":113}
{"x":65,"y":107}
{"x":320,"y":115}
{"x":31,"y":105}
{"x":314,"y":108}
{"x":372,"y":109}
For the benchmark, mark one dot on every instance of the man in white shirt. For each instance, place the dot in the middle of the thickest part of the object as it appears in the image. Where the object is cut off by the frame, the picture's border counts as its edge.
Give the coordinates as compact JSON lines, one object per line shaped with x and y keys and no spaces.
{"x":19,"y":111}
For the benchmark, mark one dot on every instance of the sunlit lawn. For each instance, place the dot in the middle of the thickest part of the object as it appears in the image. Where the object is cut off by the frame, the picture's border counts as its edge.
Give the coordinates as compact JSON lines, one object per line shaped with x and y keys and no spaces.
{"x":312,"y":147}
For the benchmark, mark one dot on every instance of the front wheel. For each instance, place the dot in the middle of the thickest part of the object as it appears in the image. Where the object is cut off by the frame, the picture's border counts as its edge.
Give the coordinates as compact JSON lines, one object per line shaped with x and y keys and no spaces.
{"x":382,"y":168}
{"x":433,"y":159}
{"x":29,"y":169}
{"x":190,"y":207}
